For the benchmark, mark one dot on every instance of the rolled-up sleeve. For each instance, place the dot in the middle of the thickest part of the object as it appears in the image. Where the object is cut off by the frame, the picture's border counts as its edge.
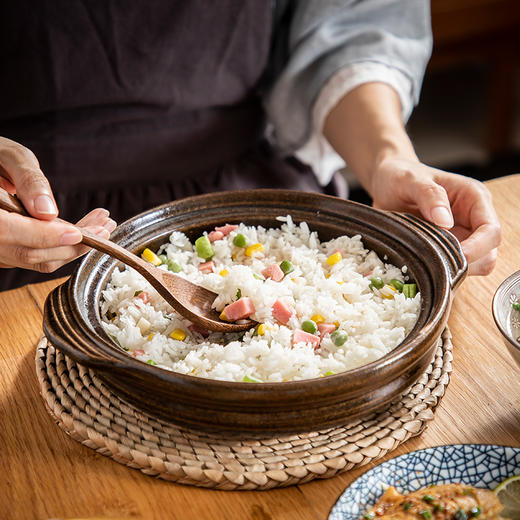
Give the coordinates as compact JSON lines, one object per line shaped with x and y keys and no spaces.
{"x":325,"y":36}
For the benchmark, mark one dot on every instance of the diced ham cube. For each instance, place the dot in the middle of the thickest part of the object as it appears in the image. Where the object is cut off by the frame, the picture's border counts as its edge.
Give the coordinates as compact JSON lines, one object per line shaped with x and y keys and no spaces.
{"x":199,"y":330}
{"x":300,"y":336}
{"x":281,"y":312}
{"x":326,"y":328}
{"x":207,"y":267}
{"x":242,"y":308}
{"x":274,"y":272}
{"x":138,"y":352}
{"x":143,"y":295}
{"x":225,"y":230}
{"x":215,"y":235}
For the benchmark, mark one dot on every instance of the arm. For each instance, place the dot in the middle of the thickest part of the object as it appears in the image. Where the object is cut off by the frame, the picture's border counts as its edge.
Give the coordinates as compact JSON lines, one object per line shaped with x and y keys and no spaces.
{"x":366,"y":129}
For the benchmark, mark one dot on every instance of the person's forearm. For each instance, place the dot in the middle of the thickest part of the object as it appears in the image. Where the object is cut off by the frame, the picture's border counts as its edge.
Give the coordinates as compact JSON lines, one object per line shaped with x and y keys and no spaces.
{"x":365,"y":127}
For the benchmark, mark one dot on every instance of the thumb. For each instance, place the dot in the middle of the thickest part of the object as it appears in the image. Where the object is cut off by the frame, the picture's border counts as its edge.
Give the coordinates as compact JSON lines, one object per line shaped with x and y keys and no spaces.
{"x":19,"y":166}
{"x":433,"y":202}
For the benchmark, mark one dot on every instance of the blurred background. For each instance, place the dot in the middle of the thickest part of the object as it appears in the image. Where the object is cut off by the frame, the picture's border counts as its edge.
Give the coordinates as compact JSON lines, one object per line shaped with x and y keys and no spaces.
{"x":468,"y":118}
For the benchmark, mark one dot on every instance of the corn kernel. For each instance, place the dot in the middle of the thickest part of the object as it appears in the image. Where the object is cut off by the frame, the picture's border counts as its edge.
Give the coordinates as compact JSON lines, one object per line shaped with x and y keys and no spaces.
{"x":387,"y":292}
{"x":334,"y":258}
{"x":336,"y":324}
{"x":224,"y":273}
{"x":223,"y":316}
{"x":317,"y":318}
{"x":151,"y":257}
{"x":339,"y":283}
{"x":327,"y":276}
{"x":178,"y":334}
{"x":255,"y":248}
{"x":262,"y":328}
{"x":150,"y":337}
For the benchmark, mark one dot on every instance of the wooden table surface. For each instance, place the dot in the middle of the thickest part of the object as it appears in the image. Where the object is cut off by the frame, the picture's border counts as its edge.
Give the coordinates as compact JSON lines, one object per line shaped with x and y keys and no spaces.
{"x":45,"y":474}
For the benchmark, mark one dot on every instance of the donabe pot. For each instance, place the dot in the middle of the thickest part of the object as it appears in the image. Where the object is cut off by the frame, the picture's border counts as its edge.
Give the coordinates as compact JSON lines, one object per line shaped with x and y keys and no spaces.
{"x":72,"y":320}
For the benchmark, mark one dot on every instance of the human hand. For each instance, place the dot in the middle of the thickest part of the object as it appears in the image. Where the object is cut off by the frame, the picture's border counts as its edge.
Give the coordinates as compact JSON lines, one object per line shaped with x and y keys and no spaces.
{"x":39,"y":243}
{"x":461,"y":204}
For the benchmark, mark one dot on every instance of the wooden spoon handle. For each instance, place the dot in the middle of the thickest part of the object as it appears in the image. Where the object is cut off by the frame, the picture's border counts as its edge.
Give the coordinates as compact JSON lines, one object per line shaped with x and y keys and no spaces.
{"x":12,"y":204}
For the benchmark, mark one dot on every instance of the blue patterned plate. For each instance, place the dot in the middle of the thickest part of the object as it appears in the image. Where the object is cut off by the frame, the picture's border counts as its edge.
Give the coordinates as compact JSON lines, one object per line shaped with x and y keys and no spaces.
{"x":479,"y":465}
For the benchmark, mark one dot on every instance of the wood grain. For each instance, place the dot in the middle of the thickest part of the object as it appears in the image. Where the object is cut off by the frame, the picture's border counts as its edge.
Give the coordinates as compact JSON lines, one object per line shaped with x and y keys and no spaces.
{"x":44,"y":474}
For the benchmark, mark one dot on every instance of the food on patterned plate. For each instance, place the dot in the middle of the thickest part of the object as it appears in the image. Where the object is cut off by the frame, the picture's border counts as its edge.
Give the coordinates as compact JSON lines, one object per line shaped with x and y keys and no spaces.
{"x":446,"y":502}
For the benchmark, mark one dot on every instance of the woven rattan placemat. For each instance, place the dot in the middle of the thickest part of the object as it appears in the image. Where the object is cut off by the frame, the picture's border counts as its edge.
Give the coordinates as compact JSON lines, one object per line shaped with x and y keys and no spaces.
{"x":91,"y":414}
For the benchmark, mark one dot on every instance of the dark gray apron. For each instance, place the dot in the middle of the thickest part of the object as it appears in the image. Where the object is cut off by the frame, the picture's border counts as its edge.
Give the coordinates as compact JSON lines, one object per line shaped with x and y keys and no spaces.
{"x":128,"y":105}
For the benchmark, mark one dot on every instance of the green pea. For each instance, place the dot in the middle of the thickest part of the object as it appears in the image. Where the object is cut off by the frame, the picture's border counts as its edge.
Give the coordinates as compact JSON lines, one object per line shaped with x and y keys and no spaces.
{"x":309,"y":326}
{"x":438,"y":508}
{"x":339,"y":337}
{"x":151,"y":362}
{"x":428,"y":498}
{"x":475,"y":511}
{"x":174,"y":267}
{"x":163,"y":259}
{"x":396,"y":284}
{"x":407,"y":506}
{"x":516,"y":306}
{"x":286,"y":267}
{"x":204,"y":248}
{"x":329,"y":373}
{"x":368,"y":516}
{"x":251,"y":379}
{"x":240,"y":240}
{"x":426,"y":514}
{"x":409,"y":290}
{"x":137,"y":293}
{"x":376,"y":282}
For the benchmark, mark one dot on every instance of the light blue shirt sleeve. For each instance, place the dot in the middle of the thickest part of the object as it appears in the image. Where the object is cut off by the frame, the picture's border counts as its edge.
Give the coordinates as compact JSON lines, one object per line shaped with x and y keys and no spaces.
{"x":317,"y":38}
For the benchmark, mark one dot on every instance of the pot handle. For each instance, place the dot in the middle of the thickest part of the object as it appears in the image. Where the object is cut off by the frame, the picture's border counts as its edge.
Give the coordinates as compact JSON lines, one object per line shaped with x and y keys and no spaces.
{"x":446,"y":242}
{"x":63,"y":332}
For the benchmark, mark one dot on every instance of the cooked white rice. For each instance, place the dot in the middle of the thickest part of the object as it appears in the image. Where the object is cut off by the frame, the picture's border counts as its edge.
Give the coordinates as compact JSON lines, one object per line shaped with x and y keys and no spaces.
{"x":340,"y":293}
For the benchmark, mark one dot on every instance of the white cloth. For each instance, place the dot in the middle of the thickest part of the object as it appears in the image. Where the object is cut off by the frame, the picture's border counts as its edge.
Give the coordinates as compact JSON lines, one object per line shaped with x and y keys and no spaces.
{"x":317,"y":152}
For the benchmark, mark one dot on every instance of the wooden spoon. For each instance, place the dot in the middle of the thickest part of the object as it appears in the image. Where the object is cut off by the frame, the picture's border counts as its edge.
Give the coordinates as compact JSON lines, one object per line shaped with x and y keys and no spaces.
{"x":188,"y":299}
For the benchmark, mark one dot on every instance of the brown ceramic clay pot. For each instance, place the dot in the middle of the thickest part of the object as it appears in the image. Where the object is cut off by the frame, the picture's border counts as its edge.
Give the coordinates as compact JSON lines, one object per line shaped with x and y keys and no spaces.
{"x":434,"y":258}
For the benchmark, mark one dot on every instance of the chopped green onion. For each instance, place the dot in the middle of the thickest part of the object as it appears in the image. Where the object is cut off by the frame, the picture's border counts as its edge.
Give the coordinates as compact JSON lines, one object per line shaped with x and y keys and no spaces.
{"x":309,"y":326}
{"x":204,"y":248}
{"x":151,"y":362}
{"x":426,"y":514}
{"x":174,"y":267}
{"x":516,"y":306}
{"x":409,"y":290}
{"x":286,"y":267}
{"x":258,"y":277}
{"x":339,"y":337}
{"x":376,"y":282}
{"x":438,"y":508}
{"x":239,"y":293}
{"x":329,"y":373}
{"x":240,"y":240}
{"x":163,"y":258}
{"x":368,"y":516}
{"x":396,"y":284}
{"x":460,"y":515}
{"x":428,"y":499}
{"x":475,"y":511}
{"x":137,"y":293}
{"x":407,"y":506}
{"x":251,"y":379}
